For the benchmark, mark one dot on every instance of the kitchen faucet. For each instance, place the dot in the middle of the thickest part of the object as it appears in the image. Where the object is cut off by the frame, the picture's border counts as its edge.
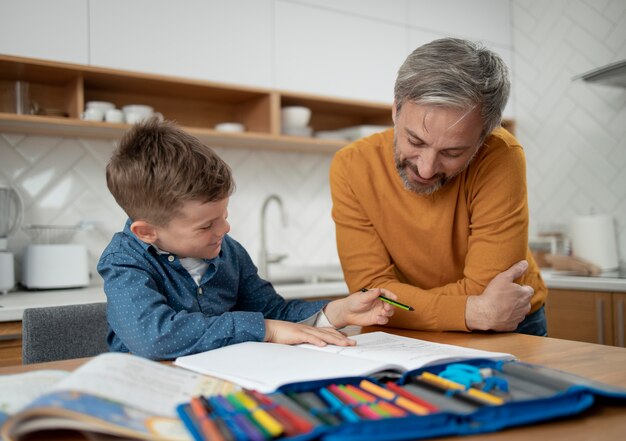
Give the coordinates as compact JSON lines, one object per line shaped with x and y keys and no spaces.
{"x":265,"y":258}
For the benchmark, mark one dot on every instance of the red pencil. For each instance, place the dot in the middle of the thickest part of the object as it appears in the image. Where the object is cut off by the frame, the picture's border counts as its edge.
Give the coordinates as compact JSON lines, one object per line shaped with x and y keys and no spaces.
{"x":408,"y":395}
{"x":207,"y":425}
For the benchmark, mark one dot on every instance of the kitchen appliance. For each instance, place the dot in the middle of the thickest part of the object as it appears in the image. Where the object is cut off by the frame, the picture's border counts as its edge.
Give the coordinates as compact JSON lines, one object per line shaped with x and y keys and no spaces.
{"x":51,"y":262}
{"x":594,"y":239}
{"x":11,"y":213}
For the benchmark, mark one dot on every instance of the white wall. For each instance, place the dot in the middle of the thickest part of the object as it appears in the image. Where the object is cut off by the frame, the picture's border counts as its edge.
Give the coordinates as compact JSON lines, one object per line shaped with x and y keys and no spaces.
{"x":348,"y":48}
{"x":573,"y":132}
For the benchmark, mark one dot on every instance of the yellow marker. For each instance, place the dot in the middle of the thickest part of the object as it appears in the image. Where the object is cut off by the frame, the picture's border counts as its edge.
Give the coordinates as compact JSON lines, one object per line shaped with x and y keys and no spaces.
{"x":393,"y":397}
{"x":266,"y":421}
{"x":492,"y":399}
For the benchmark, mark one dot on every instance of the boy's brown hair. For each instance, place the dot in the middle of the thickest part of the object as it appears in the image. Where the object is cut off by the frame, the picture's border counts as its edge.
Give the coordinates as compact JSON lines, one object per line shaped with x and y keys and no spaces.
{"x":158,"y":166}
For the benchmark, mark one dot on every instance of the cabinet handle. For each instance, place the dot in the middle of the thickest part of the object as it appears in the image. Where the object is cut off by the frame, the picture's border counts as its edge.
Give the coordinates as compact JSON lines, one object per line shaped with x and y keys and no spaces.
{"x":600,"y":320}
{"x":620,"y":323}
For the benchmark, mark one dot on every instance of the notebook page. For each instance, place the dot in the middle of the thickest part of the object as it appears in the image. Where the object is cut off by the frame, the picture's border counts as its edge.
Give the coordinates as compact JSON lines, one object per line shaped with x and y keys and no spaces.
{"x":410,"y":353}
{"x":266,"y":366}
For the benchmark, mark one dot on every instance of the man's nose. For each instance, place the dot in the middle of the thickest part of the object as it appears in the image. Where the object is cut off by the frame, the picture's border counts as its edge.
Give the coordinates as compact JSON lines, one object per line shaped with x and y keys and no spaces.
{"x":427,"y":165}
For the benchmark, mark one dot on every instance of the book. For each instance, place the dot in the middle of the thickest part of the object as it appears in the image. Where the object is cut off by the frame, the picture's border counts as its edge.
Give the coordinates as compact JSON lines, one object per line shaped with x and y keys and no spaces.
{"x":267,"y":366}
{"x":112,"y":395}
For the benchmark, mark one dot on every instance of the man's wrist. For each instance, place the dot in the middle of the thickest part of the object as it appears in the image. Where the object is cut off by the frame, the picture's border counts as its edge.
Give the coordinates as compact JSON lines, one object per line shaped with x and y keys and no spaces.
{"x":470,"y":315}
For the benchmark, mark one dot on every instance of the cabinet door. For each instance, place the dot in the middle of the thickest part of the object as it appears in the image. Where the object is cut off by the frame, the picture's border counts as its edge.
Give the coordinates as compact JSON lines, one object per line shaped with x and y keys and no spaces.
{"x":580,"y":315}
{"x":331,"y":53}
{"x":224,"y":41}
{"x":51,"y":29}
{"x":10,"y":343}
{"x":619,"y":315}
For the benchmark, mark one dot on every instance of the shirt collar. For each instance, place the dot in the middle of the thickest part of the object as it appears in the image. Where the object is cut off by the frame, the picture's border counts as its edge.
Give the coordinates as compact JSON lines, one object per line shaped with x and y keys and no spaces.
{"x":149,"y":246}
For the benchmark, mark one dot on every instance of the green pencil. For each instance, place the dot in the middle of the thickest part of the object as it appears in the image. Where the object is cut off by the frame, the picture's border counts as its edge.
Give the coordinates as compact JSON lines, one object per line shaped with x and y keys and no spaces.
{"x":392,"y":302}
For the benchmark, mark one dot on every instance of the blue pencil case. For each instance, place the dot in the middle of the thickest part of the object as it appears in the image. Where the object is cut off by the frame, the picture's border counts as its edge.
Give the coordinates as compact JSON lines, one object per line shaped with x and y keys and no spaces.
{"x":475,"y":396}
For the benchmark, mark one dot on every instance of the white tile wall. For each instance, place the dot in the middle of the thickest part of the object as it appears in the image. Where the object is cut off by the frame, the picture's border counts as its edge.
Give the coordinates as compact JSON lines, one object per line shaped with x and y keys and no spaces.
{"x":62,"y":183}
{"x":574,"y":133}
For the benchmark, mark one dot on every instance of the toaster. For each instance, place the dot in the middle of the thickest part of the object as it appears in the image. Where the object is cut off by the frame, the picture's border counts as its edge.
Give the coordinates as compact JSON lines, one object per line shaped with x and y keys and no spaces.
{"x":55,"y":266}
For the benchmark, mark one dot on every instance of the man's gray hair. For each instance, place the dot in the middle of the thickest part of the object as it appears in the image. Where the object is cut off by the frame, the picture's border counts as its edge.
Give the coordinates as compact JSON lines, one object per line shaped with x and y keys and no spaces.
{"x":451,"y":72}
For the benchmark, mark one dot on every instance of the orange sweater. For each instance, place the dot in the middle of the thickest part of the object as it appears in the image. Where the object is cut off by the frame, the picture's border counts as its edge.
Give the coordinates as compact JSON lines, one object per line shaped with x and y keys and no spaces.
{"x":432,"y":251}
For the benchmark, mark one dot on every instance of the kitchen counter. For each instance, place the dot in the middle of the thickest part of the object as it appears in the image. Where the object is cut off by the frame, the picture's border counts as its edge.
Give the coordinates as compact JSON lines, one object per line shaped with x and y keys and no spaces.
{"x":12,"y":305}
{"x":563,"y":280}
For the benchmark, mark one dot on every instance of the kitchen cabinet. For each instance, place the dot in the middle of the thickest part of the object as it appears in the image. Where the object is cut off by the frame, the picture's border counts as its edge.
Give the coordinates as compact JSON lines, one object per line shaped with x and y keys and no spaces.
{"x":619,"y":313}
{"x":10,"y":343}
{"x":587,"y":316}
{"x":52,"y":29}
{"x":196,"y":105}
{"x":229,"y":41}
{"x":321,"y":51}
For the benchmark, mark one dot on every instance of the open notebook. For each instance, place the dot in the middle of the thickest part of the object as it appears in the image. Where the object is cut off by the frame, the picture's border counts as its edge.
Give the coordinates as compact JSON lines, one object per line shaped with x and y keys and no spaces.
{"x":266,"y":366}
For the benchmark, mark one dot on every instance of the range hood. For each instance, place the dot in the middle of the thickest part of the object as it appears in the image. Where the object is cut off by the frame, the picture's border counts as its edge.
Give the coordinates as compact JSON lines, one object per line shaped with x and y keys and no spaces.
{"x":613,"y":74}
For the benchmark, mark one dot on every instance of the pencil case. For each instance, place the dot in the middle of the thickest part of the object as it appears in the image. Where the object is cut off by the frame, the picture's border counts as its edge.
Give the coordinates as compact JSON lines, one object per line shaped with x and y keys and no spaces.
{"x":471,"y":397}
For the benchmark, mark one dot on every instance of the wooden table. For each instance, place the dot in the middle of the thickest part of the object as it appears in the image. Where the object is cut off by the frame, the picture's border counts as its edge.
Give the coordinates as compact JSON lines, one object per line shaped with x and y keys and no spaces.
{"x":598,"y":362}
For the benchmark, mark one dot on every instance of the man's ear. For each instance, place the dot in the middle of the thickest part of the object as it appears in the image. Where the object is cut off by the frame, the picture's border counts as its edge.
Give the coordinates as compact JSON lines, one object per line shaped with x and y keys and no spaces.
{"x":144,"y":231}
{"x":393,"y":112}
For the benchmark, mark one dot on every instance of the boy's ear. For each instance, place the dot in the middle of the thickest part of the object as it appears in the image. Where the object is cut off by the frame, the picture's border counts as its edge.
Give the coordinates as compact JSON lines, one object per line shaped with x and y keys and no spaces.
{"x":144,"y":231}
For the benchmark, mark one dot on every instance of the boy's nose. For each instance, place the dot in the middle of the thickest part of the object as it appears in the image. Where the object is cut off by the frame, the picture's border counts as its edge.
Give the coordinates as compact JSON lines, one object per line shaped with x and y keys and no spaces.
{"x":226,"y":228}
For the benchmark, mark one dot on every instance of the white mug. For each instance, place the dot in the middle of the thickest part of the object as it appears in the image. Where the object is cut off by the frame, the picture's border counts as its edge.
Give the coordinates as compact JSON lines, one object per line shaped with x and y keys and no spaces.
{"x":92,"y":114}
{"x":114,"y":116}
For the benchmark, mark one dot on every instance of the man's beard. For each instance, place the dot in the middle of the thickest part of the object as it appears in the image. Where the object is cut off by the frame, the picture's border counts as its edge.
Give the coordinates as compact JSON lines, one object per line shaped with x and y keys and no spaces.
{"x":416,"y":187}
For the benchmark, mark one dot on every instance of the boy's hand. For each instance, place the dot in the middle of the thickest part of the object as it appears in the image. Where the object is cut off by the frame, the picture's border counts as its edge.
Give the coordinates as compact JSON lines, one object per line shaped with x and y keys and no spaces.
{"x":278,"y":331}
{"x":361,"y":308}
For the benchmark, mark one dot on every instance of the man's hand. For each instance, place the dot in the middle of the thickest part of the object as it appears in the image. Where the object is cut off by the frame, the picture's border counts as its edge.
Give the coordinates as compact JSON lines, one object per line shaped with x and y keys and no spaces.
{"x":361,"y":309}
{"x":503,"y":304}
{"x":278,"y":331}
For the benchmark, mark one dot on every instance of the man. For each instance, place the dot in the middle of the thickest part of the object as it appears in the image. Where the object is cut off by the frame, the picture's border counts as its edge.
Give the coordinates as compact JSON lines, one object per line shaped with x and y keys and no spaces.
{"x":435,"y":209}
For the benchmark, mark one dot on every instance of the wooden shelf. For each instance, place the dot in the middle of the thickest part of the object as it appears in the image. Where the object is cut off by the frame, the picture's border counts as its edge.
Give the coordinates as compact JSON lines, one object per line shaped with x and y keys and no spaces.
{"x":194,"y":104}
{"x":64,"y":127}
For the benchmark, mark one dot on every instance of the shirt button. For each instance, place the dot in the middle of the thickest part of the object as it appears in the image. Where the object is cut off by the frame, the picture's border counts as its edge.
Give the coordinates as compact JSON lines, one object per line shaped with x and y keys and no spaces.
{"x":171,"y":258}
{"x":199,"y":290}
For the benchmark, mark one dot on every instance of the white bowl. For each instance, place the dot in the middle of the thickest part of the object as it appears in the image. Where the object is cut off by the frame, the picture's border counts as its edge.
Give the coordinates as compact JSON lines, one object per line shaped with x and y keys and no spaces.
{"x":140,"y":109}
{"x":102,"y":105}
{"x":295,"y":116}
{"x":230,"y":127}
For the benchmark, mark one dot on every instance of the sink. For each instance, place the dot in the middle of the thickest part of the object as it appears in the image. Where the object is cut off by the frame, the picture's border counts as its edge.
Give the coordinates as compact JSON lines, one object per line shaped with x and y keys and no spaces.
{"x":304,"y":274}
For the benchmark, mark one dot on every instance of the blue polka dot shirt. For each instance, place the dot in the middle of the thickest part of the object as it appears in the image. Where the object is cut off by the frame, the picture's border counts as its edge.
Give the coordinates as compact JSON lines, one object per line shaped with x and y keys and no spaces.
{"x":155,"y":309}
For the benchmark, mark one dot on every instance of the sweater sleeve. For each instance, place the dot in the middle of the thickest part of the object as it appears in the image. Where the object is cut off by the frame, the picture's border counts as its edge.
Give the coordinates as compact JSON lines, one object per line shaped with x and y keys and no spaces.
{"x":496,"y":194}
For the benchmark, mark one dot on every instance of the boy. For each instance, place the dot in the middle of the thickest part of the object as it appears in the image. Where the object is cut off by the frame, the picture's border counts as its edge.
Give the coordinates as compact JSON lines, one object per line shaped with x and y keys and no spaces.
{"x":176,"y":283}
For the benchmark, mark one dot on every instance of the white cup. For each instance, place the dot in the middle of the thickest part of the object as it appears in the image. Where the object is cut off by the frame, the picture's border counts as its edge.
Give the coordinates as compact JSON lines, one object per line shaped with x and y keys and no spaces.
{"x":92,"y":114}
{"x":114,"y":116}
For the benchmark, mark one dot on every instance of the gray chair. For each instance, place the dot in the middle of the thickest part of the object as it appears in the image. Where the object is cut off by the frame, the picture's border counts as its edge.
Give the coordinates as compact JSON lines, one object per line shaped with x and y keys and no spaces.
{"x":62,"y":332}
